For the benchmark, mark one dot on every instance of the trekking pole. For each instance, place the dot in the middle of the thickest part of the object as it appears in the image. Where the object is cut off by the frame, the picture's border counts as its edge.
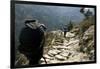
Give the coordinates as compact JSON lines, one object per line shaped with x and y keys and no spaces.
{"x":44,"y":59}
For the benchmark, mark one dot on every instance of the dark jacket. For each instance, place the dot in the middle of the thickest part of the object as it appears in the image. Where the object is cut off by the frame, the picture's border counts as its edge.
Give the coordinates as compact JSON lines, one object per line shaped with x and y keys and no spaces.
{"x":31,"y":43}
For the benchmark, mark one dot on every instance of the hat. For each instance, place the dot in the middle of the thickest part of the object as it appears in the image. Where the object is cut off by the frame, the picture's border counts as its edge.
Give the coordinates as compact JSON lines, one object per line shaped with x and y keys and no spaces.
{"x":29,"y":21}
{"x":33,"y":24}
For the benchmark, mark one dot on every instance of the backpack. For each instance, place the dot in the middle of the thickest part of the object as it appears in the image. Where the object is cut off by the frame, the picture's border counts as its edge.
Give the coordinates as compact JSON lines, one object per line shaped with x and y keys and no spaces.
{"x":32,"y":42}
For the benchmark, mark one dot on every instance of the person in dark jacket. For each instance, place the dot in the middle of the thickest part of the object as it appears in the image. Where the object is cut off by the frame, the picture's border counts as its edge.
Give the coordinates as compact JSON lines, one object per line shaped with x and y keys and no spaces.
{"x":32,"y":40}
{"x":65,"y":29}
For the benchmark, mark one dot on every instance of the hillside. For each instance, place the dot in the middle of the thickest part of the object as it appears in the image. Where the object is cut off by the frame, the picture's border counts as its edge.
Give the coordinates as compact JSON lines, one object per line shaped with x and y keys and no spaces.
{"x":78,"y":46}
{"x":63,"y":50}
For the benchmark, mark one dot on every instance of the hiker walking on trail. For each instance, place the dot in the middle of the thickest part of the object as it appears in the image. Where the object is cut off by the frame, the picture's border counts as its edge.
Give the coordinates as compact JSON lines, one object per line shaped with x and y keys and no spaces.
{"x":65,"y":29}
{"x":32,"y":41}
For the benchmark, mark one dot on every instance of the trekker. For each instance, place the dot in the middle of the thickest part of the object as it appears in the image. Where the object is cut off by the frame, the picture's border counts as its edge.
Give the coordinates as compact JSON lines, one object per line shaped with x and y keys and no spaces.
{"x":65,"y":29}
{"x":32,"y":41}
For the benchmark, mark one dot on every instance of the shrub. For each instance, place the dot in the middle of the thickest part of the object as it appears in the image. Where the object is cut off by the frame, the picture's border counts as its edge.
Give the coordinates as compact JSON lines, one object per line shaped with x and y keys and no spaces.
{"x":86,"y":23}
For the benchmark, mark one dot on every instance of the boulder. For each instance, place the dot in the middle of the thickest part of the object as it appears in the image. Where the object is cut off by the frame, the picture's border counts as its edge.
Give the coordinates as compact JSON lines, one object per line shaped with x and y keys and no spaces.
{"x":70,"y":35}
{"x":71,"y":43}
{"x":47,"y":56}
{"x":75,"y":30}
{"x":89,"y":34}
{"x":59,"y":47}
{"x":64,"y":54}
{"x":76,"y":58}
{"x":53,"y":61}
{"x":53,"y":52}
{"x":42,"y":61}
{"x":59,"y":57}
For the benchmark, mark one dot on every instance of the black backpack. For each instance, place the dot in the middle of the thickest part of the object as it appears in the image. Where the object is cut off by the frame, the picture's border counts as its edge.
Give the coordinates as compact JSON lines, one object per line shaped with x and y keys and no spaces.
{"x":31,"y":43}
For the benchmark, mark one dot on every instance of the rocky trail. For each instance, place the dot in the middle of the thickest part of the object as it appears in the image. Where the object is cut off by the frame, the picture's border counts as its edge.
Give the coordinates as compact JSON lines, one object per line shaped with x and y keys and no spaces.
{"x":65,"y":51}
{"x":58,"y":49}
